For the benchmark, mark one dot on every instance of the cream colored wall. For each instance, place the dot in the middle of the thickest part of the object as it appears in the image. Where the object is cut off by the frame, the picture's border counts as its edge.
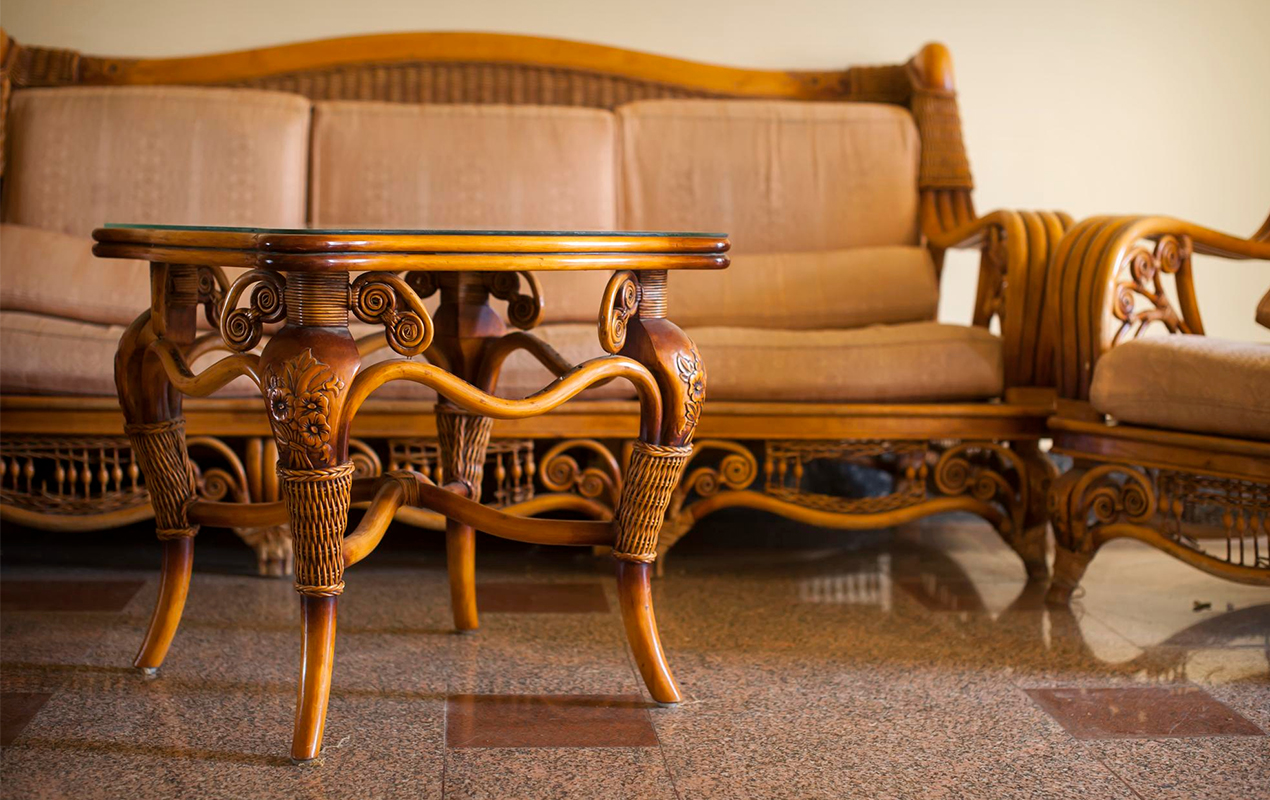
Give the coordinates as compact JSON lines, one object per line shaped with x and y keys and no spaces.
{"x":1092,"y":106}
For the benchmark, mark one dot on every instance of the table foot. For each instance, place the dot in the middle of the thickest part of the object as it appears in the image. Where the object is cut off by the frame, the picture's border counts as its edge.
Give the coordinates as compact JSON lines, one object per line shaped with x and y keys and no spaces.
{"x":174,"y":585}
{"x":635,"y":595}
{"x":318,"y":658}
{"x":460,"y":554}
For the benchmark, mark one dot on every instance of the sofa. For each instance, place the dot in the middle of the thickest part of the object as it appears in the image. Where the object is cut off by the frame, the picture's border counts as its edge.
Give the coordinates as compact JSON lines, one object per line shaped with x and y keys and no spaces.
{"x":841,"y":190}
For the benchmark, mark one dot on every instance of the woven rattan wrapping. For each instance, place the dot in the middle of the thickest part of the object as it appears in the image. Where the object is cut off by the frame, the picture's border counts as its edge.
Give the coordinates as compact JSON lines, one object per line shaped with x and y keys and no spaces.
{"x":458,"y":82}
{"x":159,"y":448}
{"x":317,"y":501}
{"x":651,"y":479}
{"x":944,"y":164}
{"x":463,"y":438}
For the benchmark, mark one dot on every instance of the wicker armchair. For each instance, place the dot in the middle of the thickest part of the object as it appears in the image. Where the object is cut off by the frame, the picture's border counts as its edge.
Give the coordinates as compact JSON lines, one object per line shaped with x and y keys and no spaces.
{"x":1170,"y":435}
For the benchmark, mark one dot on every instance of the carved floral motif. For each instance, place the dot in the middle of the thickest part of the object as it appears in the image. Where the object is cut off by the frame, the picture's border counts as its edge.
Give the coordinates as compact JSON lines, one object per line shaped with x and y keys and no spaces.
{"x":300,"y":398}
{"x":693,"y":375}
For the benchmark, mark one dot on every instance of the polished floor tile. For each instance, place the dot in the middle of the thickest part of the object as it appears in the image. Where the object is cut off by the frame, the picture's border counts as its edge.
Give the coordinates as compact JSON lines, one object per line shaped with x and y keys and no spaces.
{"x":1146,"y":713}
{"x":501,"y":720}
{"x":873,"y":664}
{"x":67,"y":595}
{"x":526,"y":597}
{"x":16,"y":710}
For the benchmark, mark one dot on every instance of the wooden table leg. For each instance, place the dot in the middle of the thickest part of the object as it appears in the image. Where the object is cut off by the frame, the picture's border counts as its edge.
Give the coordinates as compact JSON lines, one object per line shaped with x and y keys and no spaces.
{"x":463,"y":438}
{"x":156,"y":429}
{"x":657,"y":459}
{"x":305,"y":372}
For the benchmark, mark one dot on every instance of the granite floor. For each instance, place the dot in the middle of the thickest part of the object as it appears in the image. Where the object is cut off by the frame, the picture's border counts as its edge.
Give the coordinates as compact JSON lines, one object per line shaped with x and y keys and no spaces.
{"x":909,"y":664}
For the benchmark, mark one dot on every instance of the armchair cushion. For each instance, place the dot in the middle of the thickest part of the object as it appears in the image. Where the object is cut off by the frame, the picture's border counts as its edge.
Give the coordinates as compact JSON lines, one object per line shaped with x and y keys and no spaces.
{"x":84,"y":156}
{"x":1187,"y":383}
{"x":779,"y":176}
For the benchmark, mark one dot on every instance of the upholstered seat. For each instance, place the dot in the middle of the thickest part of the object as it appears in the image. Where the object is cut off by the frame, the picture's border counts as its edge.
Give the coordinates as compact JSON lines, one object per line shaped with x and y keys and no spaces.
{"x":1187,"y":383}
{"x":884,"y":363}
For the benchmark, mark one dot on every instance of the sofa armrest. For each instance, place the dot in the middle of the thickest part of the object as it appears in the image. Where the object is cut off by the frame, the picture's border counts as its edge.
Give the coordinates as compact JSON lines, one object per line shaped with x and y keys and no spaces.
{"x":1105,"y":286}
{"x":1015,"y":248}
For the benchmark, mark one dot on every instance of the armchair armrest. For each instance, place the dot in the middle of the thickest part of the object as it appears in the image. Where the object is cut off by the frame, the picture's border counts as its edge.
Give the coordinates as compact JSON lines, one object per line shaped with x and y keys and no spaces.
{"x":1105,"y":266}
{"x":1015,"y":248}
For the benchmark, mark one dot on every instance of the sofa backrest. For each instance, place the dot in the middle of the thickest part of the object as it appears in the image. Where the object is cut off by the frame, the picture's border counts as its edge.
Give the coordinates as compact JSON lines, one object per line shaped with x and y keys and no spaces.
{"x":778,"y":176}
{"x":79,"y":157}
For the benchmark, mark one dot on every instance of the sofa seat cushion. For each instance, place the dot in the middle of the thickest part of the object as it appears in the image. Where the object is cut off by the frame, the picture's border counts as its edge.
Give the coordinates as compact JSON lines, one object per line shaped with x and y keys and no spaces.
{"x":779,"y":176}
{"x":808,"y":291}
{"x":52,"y":356}
{"x":888,"y":363}
{"x":915,"y":362}
{"x":1187,"y":383}
{"x":84,"y":156}
{"x":56,"y":274}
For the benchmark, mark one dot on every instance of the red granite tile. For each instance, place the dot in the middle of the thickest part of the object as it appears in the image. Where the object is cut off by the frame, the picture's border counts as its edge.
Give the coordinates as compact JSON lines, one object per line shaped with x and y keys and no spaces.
{"x":525,"y":597}
{"x":16,"y":710}
{"x":1142,"y":713}
{"x":67,"y":595}
{"x":494,"y":720}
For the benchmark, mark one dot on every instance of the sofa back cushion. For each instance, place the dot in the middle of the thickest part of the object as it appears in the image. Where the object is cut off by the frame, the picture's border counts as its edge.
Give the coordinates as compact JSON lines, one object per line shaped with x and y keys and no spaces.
{"x":803,"y":291}
{"x":462,"y":166}
{"x":85,"y":156}
{"x":779,"y":176}
{"x":470,"y":167}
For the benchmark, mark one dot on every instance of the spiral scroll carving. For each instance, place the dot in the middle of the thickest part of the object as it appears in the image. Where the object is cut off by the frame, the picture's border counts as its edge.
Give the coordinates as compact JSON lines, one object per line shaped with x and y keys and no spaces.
{"x":376,"y":298}
{"x":1146,"y":268}
{"x":617,"y":308}
{"x":241,"y":328}
{"x":988,"y":472}
{"x":524,"y":311}
{"x":213,"y":286}
{"x":560,"y":471}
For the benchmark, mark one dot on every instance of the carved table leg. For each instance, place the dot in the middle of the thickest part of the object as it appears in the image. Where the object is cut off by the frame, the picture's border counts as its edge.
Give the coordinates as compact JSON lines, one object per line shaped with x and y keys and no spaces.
{"x":463,"y":438}
{"x":306,"y":370}
{"x":657,"y":460}
{"x":152,"y":411}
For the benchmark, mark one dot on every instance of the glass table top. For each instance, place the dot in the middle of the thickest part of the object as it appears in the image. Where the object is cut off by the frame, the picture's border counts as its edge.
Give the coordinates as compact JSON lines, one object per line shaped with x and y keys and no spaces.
{"x":413,"y":231}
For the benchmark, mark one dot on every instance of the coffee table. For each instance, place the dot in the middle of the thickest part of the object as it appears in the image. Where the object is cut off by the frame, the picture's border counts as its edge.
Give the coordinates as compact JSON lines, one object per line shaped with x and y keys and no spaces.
{"x":312,"y":380}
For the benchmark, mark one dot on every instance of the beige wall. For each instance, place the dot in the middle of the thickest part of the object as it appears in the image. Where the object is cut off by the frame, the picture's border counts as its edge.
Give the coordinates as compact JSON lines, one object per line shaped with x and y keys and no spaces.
{"x":1085,"y":105}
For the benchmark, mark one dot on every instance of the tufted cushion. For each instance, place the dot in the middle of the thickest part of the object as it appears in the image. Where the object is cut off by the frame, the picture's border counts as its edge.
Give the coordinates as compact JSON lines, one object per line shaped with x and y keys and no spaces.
{"x":779,"y":176}
{"x":85,"y":156}
{"x":1187,"y":383}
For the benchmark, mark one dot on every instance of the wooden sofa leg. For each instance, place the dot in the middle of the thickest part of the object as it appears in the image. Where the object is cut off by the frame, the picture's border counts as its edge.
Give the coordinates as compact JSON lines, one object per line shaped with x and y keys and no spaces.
{"x":1031,"y":542}
{"x":1073,"y":549}
{"x":1069,"y":568}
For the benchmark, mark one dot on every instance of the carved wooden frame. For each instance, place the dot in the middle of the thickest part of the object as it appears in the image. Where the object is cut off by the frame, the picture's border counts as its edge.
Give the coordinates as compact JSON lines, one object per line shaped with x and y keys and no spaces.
{"x":1130,"y":481}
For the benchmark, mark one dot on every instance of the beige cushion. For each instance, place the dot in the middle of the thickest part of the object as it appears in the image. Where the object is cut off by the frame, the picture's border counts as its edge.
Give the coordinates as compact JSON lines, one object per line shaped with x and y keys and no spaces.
{"x":1187,"y":383}
{"x":48,"y":355}
{"x":55,"y":273}
{"x":893,"y":363}
{"x":1263,"y":311}
{"x":923,"y":361}
{"x":831,"y":289}
{"x":85,"y":156}
{"x":470,"y":167}
{"x":779,"y":176}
